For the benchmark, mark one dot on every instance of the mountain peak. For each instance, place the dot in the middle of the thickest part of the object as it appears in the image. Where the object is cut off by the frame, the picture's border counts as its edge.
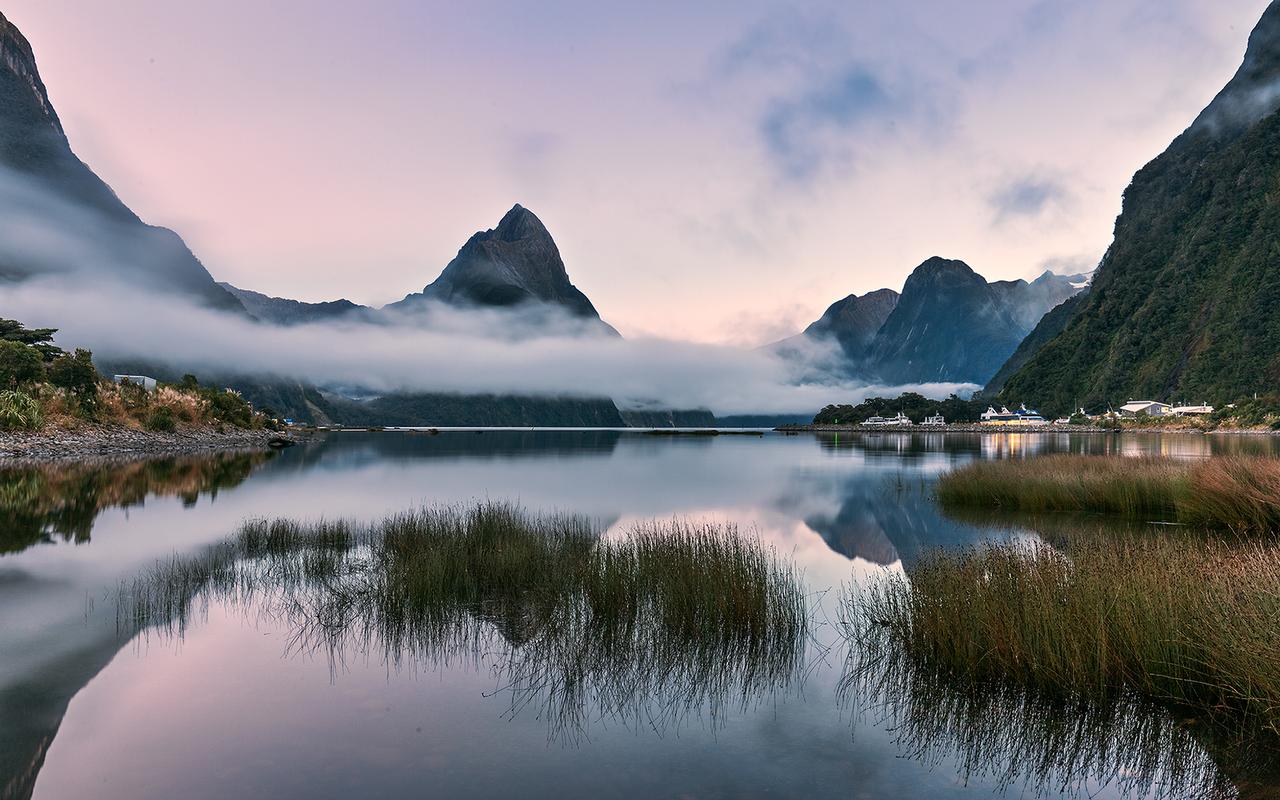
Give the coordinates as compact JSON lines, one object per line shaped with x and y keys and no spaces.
{"x":515,"y":263}
{"x":1254,"y":92}
{"x":937,"y":270}
{"x":19,"y":59}
{"x":519,"y":223}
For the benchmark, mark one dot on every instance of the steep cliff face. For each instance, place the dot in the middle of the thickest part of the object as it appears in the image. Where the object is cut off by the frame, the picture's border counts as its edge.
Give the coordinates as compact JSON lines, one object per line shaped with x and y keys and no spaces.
{"x":949,"y":325}
{"x":515,"y":264}
{"x":1186,"y":301}
{"x":40,"y":175}
{"x":854,"y":321}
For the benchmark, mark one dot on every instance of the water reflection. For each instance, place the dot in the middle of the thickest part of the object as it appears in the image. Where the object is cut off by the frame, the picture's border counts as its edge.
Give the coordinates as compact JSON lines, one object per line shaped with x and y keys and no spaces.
{"x":835,"y":504}
{"x":1045,"y":745}
{"x":665,"y":622}
{"x":41,"y":503}
{"x":1031,"y":740}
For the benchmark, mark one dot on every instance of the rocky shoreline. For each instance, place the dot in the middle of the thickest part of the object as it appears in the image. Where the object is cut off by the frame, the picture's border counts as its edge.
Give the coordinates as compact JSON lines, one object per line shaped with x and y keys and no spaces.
{"x":91,"y":441}
{"x":951,"y":428}
{"x":976,"y":428}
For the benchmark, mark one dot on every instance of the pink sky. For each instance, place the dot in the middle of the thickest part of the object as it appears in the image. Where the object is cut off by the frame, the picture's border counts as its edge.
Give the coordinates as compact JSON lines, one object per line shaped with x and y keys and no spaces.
{"x":716,"y":172}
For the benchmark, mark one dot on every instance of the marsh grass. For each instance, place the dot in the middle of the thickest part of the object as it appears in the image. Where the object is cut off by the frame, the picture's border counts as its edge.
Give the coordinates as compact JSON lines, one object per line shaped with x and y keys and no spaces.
{"x":1189,"y":621}
{"x":668,"y":619}
{"x":1237,"y":493}
{"x":1050,"y":744}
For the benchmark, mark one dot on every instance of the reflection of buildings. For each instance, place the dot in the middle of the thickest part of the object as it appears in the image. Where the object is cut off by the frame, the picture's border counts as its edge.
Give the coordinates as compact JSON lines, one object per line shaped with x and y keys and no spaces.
{"x":1175,"y":446}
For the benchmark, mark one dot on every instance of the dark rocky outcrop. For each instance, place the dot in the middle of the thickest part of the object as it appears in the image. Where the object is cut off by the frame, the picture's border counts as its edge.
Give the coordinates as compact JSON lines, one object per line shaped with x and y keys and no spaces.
{"x":282,"y":311}
{"x":516,"y":264}
{"x":40,"y":172}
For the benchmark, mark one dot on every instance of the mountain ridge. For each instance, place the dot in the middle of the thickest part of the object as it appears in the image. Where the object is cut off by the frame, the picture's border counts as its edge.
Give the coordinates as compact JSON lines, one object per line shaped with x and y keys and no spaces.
{"x":1186,"y":301}
{"x":949,"y":324}
{"x":37,"y":154}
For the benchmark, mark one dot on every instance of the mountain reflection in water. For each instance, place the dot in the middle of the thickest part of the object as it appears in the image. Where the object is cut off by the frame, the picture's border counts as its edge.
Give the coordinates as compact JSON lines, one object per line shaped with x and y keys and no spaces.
{"x":837,"y":505}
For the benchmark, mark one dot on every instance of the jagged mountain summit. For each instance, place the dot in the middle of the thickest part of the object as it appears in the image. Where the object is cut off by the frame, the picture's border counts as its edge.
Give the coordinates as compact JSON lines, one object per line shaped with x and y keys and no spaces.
{"x":516,"y":264}
{"x":1186,"y":301}
{"x":948,"y":325}
{"x":41,"y":175}
{"x":854,"y":321}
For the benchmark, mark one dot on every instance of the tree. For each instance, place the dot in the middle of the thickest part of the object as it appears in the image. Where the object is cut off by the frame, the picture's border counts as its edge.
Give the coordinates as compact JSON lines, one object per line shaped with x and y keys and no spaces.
{"x":19,"y":364}
{"x":39,"y":338}
{"x":77,"y":375}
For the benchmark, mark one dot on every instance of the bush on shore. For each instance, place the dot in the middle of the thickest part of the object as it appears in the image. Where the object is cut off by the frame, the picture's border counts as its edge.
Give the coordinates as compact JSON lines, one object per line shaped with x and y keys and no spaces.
{"x":40,"y":382}
{"x":19,"y":411}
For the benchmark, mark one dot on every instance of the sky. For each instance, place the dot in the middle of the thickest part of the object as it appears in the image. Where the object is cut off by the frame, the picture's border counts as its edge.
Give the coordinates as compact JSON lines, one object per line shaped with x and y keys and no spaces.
{"x":713,"y":172}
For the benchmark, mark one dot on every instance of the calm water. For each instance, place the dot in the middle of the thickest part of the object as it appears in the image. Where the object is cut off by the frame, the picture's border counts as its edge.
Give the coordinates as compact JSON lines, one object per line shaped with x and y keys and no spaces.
{"x":238,"y":706}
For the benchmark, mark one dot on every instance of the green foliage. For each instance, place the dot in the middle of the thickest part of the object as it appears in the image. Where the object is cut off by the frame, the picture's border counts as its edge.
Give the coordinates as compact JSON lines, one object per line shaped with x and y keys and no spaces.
{"x":41,"y":339}
{"x":161,"y":419}
{"x":916,"y":406}
{"x":1254,"y":412}
{"x":20,"y":364}
{"x":228,"y":407}
{"x":77,"y":375}
{"x":1186,"y":303}
{"x":19,"y":411}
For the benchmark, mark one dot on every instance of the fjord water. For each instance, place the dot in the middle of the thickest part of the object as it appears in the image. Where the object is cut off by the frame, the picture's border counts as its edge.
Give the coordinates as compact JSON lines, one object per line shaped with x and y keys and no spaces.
{"x":241,"y":704}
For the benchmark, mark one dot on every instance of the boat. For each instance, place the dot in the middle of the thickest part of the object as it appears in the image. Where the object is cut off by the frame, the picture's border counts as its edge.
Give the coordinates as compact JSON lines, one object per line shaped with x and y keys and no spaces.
{"x":935,"y":421}
{"x":1023,"y":416}
{"x":900,"y":420}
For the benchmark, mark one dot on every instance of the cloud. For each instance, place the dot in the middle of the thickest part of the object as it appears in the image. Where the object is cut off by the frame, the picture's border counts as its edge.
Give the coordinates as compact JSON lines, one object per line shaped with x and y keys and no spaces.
{"x":461,"y":357}
{"x":83,"y":277}
{"x":803,"y":134}
{"x":1028,"y":196}
{"x":818,"y":99}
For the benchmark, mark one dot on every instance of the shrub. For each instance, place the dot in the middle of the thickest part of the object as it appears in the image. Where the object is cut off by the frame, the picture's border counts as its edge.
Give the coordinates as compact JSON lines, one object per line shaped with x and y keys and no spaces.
{"x":19,"y":411}
{"x":161,"y":419}
{"x":77,"y":375}
{"x":184,"y":406}
{"x":19,"y":365}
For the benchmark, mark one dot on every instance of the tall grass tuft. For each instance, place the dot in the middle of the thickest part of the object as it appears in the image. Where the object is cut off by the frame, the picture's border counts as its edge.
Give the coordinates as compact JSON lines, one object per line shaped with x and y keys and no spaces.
{"x":19,"y":411}
{"x":1187,"y":620}
{"x":1238,"y":493}
{"x":653,"y":624}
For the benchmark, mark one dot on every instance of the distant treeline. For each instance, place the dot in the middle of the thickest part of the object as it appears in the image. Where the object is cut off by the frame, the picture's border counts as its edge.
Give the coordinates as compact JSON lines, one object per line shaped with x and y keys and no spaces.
{"x":916,"y":406}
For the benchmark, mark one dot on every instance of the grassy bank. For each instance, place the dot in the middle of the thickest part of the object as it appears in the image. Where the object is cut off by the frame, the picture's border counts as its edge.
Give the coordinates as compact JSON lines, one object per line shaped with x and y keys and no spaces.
{"x":668,"y":618}
{"x":1237,"y":493}
{"x":44,"y":387}
{"x":1183,"y":620}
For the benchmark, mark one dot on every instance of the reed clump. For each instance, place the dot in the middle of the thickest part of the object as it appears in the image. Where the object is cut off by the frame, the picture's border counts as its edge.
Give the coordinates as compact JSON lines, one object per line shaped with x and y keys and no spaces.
{"x":667,"y":618}
{"x":1191,"y":621}
{"x":1237,"y":493}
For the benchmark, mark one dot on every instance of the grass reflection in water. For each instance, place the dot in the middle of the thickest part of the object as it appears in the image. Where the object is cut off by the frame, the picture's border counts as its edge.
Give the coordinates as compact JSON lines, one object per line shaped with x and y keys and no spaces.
{"x":1144,"y":662}
{"x":668,"y":620}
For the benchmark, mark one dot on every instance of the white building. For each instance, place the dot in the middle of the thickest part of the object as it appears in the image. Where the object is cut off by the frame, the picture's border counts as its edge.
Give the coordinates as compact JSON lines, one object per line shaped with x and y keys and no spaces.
{"x":1152,"y":408}
{"x":1193,"y":411}
{"x":137,"y":380}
